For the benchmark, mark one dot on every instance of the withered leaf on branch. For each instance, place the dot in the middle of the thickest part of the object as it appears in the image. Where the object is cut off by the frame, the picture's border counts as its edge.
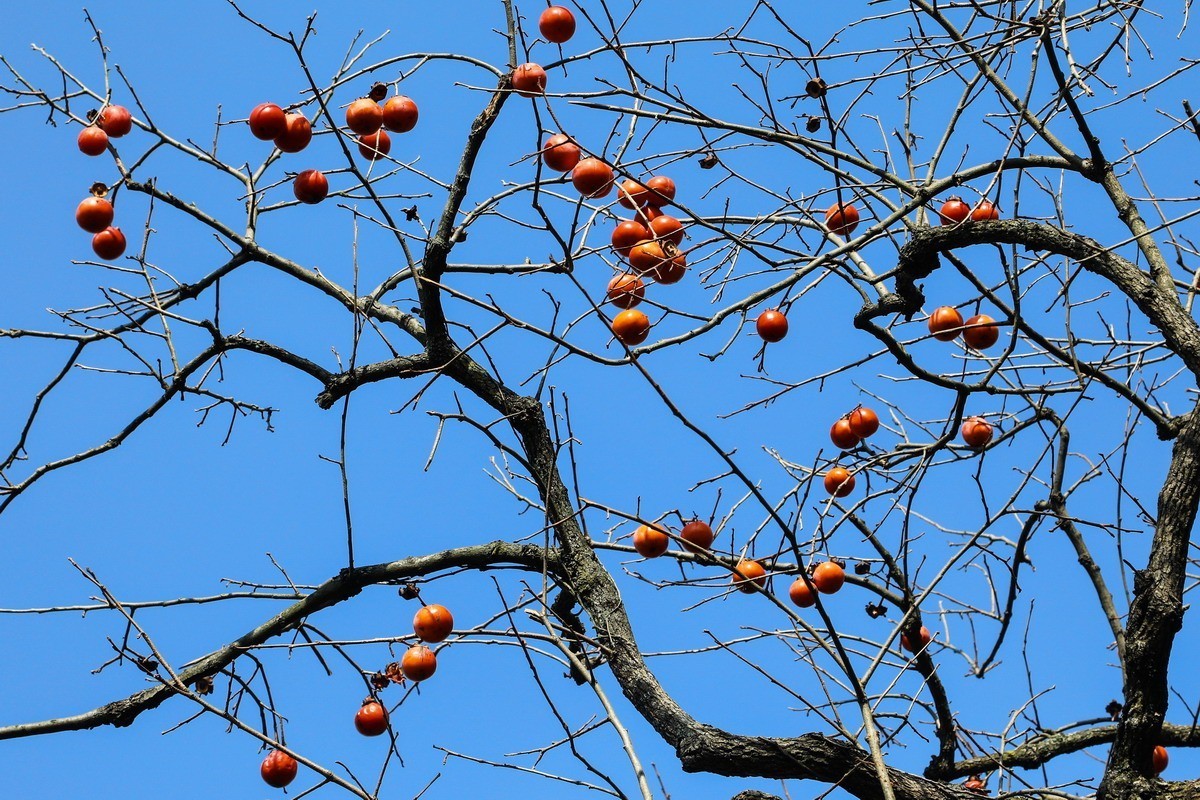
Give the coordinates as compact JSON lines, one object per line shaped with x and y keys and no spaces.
{"x":410,"y":591}
{"x":394,"y":673}
{"x":379,"y":681}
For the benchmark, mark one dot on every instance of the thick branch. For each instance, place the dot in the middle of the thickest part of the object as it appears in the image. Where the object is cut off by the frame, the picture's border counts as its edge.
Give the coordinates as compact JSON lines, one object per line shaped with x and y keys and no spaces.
{"x":1155,"y":616}
{"x":918,"y":259}
{"x":344,"y":586}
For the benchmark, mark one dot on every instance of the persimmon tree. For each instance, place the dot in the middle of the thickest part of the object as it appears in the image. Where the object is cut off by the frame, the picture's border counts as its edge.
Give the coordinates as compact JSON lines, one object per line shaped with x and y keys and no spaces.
{"x":903,"y":314}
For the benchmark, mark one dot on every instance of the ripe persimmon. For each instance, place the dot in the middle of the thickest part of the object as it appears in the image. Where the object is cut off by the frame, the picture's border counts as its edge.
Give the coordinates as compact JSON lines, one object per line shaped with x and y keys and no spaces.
{"x":297,"y":133}
{"x":557,"y":24}
{"x":841,"y":218}
{"x":278,"y":769}
{"x":926,"y":638}
{"x":843,"y":436}
{"x":976,"y":432}
{"x":560,"y":153}
{"x":863,"y":421}
{"x":267,"y":121}
{"x":592,"y":178}
{"x":372,"y":718}
{"x":771,"y":325}
{"x":94,"y":214}
{"x":109,"y":243}
{"x":631,"y":194}
{"x":364,"y":116}
{"x":980,"y":332}
{"x":400,"y":114}
{"x":626,"y":290}
{"x":661,"y":191}
{"x":828,"y":577}
{"x":92,"y":140}
{"x":944,"y":323}
{"x":529,"y":80}
{"x":631,"y":327}
{"x":954,"y":211}
{"x":1160,"y":758}
{"x":419,"y":663}
{"x":801,"y":594}
{"x":628,"y":233}
{"x":650,"y":542}
{"x":374,"y":146}
{"x":984,"y":211}
{"x":749,"y":574}
{"x":664,"y":226}
{"x":839,"y":482}
{"x":433,"y":623}
{"x":697,"y":536}
{"x":115,"y":121}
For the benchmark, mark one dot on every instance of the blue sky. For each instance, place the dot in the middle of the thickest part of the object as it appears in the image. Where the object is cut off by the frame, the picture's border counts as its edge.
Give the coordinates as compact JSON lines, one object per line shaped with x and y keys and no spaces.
{"x":176,"y":511}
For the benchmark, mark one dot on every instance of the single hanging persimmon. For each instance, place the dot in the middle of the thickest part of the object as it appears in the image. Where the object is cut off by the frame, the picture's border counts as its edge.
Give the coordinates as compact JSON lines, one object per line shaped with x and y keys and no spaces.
{"x":433,"y":623}
{"x":95,"y":213}
{"x":529,"y":80}
{"x":697,"y":536}
{"x":661,"y":191}
{"x":650,"y":542}
{"x":945,"y":323}
{"x":627,"y":234}
{"x":626,"y":290}
{"x":278,"y":769}
{"x":371,"y":719}
{"x":267,"y":121}
{"x":801,"y":594}
{"x":976,"y":432}
{"x":557,"y":24}
{"x":647,"y":214}
{"x":749,"y":574}
{"x":591,"y":177}
{"x":863,"y":421}
{"x":980,"y":332}
{"x":841,"y":218}
{"x":115,"y":120}
{"x":771,"y":325}
{"x":926,"y":638}
{"x":954,"y":211}
{"x":839,"y":482}
{"x":843,"y":436}
{"x":296,"y":135}
{"x":419,"y":663}
{"x":400,"y":114}
{"x":109,"y":243}
{"x":92,"y":140}
{"x":374,"y":146}
{"x":631,"y":194}
{"x":631,"y":327}
{"x":646,"y":256}
{"x":828,"y":577}
{"x":364,"y":116}
{"x":311,"y":186}
{"x":666,"y":227}
{"x":559,"y":153}
{"x":1160,"y":759}
{"x":985,"y":211}
{"x":672,"y":268}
